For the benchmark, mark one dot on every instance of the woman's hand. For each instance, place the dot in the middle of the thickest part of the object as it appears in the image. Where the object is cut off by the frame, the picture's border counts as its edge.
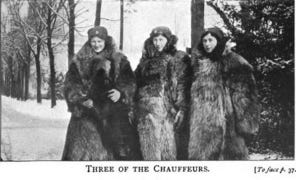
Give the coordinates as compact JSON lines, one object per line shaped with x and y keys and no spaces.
{"x":179,"y":119}
{"x":88,"y":103}
{"x":114,"y":95}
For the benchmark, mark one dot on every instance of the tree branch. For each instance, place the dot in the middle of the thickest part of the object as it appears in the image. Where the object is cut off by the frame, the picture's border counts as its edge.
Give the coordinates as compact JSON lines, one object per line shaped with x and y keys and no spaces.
{"x":54,"y":11}
{"x":38,"y":13}
{"x":64,"y":38}
{"x":225,"y":19}
{"x":107,"y":19}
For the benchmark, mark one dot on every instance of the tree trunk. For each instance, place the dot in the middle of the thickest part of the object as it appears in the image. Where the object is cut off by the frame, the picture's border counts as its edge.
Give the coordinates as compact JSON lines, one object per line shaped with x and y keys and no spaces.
{"x":1,"y":73}
{"x":7,"y":83}
{"x":1,"y":85}
{"x":71,"y":42}
{"x":11,"y":77}
{"x":38,"y":71}
{"x":51,"y":59}
{"x":197,"y":23}
{"x":27,"y":75}
{"x":23,"y":76}
{"x":98,"y":13}
{"x":20,"y":81}
{"x":52,"y":76}
{"x":121,"y":24}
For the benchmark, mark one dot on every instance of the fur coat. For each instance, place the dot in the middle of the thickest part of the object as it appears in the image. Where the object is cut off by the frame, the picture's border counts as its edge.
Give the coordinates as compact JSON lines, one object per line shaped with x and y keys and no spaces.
{"x":223,"y":108}
{"x":103,"y":132}
{"x":161,"y":93}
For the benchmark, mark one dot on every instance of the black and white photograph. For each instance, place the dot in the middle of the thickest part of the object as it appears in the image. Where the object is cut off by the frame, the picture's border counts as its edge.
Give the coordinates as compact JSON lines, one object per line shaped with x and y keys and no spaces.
{"x":152,"y":81}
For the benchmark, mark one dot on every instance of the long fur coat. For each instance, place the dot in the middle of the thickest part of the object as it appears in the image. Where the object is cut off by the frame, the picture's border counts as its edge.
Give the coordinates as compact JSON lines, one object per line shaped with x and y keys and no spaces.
{"x":161,"y":93}
{"x":103,"y":132}
{"x":223,"y":108}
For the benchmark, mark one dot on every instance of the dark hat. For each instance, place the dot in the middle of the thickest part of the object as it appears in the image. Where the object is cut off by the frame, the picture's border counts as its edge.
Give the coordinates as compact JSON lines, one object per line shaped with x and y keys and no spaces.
{"x":215,"y":31}
{"x":161,"y":30}
{"x":98,"y":31}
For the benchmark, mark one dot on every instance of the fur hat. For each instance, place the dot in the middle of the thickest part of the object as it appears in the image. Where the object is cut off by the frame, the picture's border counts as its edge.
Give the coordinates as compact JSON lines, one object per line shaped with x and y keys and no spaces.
{"x":214,"y":31}
{"x":98,"y":31}
{"x":161,"y":30}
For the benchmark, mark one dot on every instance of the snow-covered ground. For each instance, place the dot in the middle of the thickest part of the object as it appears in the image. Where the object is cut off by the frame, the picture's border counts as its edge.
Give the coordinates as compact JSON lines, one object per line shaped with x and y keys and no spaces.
{"x":32,"y":131}
{"x":42,"y":111}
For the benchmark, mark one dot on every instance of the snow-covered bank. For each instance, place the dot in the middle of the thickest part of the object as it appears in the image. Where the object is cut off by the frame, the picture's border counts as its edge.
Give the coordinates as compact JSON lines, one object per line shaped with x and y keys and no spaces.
{"x":42,"y":111}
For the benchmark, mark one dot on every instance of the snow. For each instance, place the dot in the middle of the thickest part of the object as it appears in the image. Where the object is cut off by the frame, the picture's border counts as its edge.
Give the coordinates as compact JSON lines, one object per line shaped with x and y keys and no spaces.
{"x":31,"y":107}
{"x":32,"y":131}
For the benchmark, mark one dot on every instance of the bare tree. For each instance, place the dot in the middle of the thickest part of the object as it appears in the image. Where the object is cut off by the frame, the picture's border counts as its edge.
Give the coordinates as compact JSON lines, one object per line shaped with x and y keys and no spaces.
{"x":50,"y":22}
{"x":98,"y":13}
{"x":27,"y":72}
{"x":52,"y":8}
{"x":121,"y":24}
{"x":1,"y":84}
{"x":71,"y":19}
{"x":197,"y":22}
{"x":72,"y":14}
{"x":32,"y":29}
{"x":14,"y":43}
{"x":14,"y":53}
{"x":1,"y":76}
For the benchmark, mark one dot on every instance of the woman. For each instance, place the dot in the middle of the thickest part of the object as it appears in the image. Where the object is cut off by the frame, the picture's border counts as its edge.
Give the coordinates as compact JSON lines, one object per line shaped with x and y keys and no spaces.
{"x":224,"y":107}
{"x":161,"y":94}
{"x":91,"y":136}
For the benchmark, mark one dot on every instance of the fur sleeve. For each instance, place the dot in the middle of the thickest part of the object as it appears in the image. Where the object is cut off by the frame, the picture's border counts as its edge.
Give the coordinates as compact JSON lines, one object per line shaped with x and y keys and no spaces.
{"x":244,"y":99}
{"x":73,"y":87}
{"x":126,"y":82}
{"x":138,"y":75}
{"x":183,"y":69}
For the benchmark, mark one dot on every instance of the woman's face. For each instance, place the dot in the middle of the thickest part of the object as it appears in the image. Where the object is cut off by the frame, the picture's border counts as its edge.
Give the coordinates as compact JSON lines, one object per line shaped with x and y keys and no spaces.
{"x":209,"y":43}
{"x":97,"y":44}
{"x":159,"y":42}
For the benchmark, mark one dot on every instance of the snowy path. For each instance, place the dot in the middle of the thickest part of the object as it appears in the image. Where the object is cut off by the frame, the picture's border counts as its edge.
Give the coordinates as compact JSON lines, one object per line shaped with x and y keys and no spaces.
{"x":27,"y":137}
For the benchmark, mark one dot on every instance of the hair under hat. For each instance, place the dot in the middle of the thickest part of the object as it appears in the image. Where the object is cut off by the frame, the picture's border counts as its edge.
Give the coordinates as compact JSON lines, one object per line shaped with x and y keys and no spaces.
{"x":98,"y":31}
